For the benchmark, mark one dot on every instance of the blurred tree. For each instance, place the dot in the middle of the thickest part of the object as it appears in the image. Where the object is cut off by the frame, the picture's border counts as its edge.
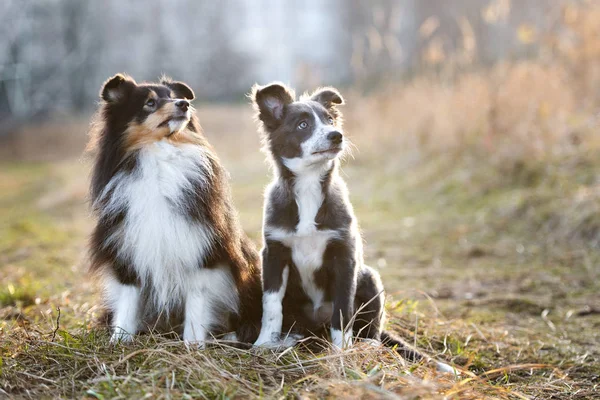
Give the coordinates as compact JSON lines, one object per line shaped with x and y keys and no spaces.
{"x":380,"y":36}
{"x":54,"y":54}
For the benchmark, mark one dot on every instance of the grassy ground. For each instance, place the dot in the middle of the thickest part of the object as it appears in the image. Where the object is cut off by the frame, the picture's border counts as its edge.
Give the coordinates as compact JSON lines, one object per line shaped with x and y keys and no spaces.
{"x":492,"y":268}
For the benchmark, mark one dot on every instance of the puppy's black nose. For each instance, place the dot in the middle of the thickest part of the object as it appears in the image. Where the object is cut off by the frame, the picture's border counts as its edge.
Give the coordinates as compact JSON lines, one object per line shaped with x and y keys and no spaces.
{"x":182,"y":104}
{"x":335,"y":137}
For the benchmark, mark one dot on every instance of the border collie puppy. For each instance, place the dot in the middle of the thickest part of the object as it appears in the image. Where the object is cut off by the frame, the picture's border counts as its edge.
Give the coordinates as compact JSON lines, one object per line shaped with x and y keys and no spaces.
{"x":313,"y":268}
{"x":167,"y":242}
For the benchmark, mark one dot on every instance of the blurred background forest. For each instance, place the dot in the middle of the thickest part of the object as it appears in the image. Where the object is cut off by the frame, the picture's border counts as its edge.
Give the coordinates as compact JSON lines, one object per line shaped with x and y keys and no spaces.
{"x":54,"y":54}
{"x":523,"y":59}
{"x":475,"y":176}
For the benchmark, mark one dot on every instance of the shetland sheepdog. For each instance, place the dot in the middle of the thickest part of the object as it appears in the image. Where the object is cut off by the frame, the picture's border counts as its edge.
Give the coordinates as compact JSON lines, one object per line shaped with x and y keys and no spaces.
{"x":167,"y":243}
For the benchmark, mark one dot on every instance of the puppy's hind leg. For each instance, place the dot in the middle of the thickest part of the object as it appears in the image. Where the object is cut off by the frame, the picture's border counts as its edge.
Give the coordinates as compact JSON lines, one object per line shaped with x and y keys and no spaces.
{"x":369,"y":305}
{"x":344,"y":287}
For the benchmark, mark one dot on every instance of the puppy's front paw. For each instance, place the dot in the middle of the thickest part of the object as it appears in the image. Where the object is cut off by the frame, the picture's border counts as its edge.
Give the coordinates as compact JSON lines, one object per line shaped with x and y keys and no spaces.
{"x":267,"y":339}
{"x":341,"y":339}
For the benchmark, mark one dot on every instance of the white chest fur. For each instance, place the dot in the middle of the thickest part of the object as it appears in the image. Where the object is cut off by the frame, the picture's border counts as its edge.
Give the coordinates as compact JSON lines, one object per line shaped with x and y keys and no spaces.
{"x":163,"y":245}
{"x":307,"y":255}
{"x":307,"y":244}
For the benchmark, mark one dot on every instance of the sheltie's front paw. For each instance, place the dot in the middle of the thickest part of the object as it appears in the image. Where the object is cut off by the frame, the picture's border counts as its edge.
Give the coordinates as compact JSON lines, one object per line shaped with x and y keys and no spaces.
{"x":121,"y":336}
{"x":194,"y":338}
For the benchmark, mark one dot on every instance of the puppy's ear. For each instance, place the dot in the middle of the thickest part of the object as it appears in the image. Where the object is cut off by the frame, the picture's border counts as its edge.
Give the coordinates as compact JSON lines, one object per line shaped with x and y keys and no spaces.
{"x":181,"y":90}
{"x":116,"y":88}
{"x":329,"y":97}
{"x":270,"y":101}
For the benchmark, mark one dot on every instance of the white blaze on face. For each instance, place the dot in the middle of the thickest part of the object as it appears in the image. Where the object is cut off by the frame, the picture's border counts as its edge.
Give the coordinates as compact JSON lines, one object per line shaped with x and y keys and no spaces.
{"x":175,"y":125}
{"x":317,"y":141}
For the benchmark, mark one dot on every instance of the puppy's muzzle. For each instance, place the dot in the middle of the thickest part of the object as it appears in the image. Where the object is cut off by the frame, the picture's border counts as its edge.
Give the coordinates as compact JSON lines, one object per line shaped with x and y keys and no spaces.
{"x":335,"y":137}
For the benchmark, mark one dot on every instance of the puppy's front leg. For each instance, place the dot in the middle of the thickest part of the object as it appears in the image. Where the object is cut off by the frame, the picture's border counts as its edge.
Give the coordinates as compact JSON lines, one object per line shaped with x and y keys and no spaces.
{"x":276,"y":258}
{"x":344,"y":289}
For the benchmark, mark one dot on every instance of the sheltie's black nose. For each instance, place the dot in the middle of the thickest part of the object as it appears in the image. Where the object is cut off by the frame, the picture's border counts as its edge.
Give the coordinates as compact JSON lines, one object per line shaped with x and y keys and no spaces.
{"x":335,"y":137}
{"x":183,"y":105}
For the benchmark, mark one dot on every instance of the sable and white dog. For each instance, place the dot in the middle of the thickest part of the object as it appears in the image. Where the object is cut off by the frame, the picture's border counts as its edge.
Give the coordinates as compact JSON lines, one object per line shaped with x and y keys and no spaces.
{"x":167,"y":242}
{"x":313,"y":269}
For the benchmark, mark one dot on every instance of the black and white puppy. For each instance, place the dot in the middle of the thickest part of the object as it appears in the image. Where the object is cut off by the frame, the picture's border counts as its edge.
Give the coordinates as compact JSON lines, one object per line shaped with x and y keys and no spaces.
{"x":313,"y":268}
{"x":167,"y":242}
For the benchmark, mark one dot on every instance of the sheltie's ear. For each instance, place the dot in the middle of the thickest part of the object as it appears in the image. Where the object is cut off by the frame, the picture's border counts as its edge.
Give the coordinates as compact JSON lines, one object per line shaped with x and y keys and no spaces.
{"x":116,"y":88}
{"x":181,"y":90}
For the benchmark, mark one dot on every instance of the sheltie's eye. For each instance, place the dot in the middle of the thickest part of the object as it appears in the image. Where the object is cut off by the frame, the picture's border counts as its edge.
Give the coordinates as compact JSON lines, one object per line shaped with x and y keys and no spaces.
{"x":302,"y":125}
{"x":330,"y":120}
{"x":150,"y":102}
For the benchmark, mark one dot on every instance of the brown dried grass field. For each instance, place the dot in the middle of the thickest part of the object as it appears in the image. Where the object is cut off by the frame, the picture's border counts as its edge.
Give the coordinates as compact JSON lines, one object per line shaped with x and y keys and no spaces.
{"x":479,"y":202}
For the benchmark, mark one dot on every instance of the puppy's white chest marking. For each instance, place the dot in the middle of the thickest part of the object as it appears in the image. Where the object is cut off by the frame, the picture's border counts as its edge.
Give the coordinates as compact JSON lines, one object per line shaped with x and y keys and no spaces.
{"x":306,"y":243}
{"x":307,"y":255}
{"x":164,"y":245}
{"x":309,"y":198}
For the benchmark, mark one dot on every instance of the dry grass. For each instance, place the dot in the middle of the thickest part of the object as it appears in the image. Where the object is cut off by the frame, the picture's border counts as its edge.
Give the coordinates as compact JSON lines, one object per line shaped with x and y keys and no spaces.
{"x":487,"y":267}
{"x":479,"y":200}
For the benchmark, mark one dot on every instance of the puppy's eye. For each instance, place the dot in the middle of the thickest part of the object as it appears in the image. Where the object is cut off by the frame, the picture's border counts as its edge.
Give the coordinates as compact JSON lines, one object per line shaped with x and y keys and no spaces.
{"x":330,"y":120}
{"x":151,"y":102}
{"x":302,"y":125}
